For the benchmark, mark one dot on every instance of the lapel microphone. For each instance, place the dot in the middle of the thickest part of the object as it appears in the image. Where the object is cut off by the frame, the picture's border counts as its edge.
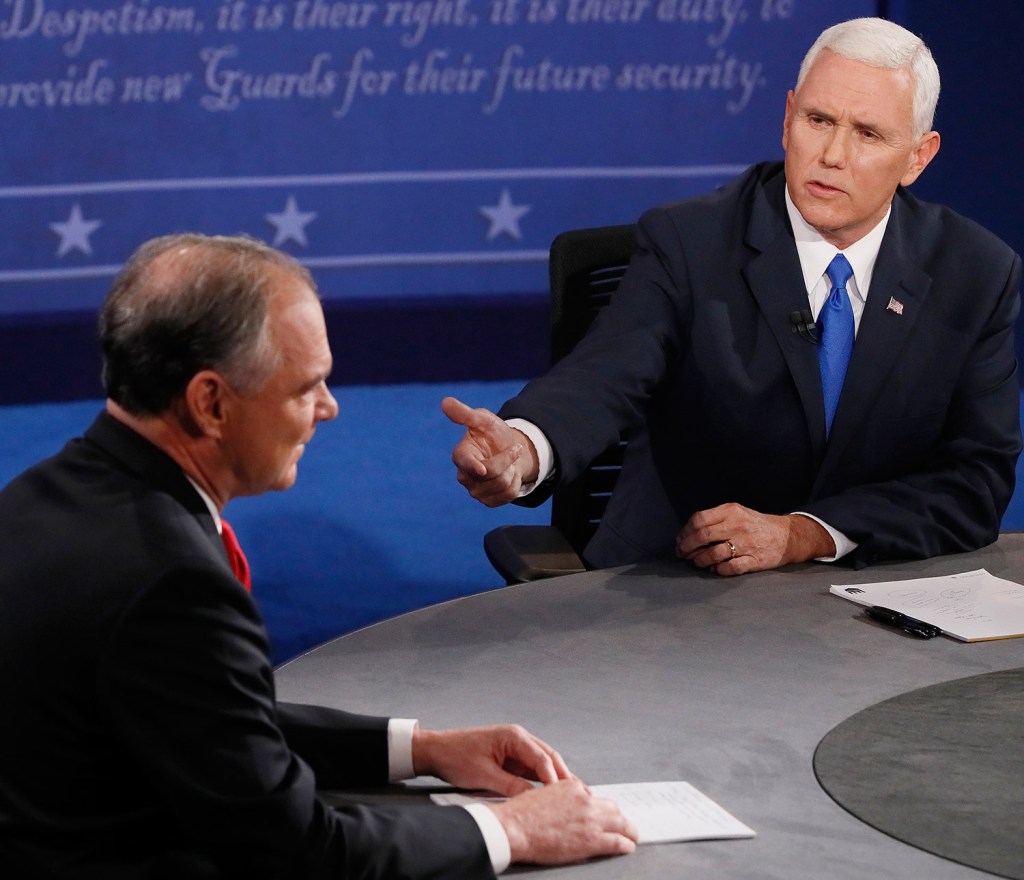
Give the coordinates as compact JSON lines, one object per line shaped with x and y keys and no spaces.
{"x":803,"y":323}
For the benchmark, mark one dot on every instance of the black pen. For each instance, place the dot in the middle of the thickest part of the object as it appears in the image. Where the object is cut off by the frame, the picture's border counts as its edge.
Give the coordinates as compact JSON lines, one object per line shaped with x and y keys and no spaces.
{"x":904,"y":622}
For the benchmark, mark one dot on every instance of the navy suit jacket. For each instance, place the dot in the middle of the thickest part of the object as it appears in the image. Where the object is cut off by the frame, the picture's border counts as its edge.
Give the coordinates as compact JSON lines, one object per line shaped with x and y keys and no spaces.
{"x":139,"y":733}
{"x":697,"y":358}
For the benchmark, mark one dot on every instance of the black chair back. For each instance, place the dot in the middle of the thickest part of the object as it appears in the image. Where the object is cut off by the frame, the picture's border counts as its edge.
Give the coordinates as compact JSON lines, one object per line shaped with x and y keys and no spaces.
{"x":585,"y":268}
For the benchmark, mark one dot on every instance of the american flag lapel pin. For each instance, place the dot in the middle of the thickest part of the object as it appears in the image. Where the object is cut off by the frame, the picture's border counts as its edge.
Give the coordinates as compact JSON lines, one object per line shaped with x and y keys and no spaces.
{"x":895,"y":306}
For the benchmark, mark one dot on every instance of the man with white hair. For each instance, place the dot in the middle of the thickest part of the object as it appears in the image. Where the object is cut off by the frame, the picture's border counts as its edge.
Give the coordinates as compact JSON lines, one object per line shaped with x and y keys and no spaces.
{"x":810,"y":363}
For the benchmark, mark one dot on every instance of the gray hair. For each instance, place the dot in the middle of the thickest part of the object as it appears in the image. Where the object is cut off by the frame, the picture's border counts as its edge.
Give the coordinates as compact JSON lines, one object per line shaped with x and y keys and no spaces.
{"x":883,"y":44}
{"x":185,"y":303}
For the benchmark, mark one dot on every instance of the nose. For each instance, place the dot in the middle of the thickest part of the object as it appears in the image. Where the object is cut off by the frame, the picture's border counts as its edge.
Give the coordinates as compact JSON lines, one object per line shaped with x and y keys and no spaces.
{"x":327,"y":406}
{"x":834,"y":152}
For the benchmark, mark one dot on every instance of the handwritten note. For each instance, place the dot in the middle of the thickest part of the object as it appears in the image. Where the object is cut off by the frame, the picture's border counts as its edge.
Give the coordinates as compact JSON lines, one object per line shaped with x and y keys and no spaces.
{"x":972,"y":606}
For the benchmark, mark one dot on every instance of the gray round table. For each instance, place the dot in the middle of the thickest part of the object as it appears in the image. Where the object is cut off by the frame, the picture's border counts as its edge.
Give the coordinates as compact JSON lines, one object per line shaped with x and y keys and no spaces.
{"x":658,"y":672}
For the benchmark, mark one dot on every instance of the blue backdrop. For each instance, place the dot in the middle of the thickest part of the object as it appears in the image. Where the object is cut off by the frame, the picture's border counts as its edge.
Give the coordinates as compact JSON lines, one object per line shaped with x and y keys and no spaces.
{"x":400,"y":148}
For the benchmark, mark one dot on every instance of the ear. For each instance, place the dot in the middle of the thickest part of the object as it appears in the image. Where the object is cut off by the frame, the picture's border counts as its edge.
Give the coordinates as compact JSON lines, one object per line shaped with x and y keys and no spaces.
{"x":206,"y":400}
{"x":786,"y":119}
{"x":923,"y":153}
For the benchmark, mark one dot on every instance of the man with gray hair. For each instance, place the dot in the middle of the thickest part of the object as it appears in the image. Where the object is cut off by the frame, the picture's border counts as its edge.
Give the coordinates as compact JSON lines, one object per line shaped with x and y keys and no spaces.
{"x":140,"y":736}
{"x":810,"y":363}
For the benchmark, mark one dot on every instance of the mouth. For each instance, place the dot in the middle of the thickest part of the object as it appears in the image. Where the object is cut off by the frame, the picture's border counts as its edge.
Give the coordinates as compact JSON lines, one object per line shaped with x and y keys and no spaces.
{"x":820,"y":188}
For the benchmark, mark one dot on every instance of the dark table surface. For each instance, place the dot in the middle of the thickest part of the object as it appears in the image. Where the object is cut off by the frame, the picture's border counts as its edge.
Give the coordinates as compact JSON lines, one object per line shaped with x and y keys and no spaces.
{"x":657,"y":672}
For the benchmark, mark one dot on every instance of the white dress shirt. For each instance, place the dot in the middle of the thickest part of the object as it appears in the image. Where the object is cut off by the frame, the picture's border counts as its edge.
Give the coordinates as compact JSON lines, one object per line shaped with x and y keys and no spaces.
{"x":815,"y":254}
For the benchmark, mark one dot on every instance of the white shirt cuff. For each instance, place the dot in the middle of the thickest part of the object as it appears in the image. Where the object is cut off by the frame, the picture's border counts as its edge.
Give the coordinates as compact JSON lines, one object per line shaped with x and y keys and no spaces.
{"x":843,"y":544}
{"x":545,"y":454}
{"x":400,"y":731}
{"x":494,"y":835}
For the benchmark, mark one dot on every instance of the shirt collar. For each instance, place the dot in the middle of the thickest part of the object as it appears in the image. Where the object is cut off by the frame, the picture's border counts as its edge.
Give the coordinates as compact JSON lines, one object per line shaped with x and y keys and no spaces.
{"x":815,"y":253}
{"x":208,"y":501}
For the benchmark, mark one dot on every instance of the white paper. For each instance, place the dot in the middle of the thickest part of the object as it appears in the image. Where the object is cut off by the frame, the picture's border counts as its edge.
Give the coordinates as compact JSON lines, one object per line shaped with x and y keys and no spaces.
{"x":662,"y":811}
{"x":972,"y":606}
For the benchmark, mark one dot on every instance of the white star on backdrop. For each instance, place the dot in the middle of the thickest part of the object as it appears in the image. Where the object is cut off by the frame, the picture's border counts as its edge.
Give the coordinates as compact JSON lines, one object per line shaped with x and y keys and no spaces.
{"x":74,"y":232}
{"x":504,"y":217}
{"x":291,"y":223}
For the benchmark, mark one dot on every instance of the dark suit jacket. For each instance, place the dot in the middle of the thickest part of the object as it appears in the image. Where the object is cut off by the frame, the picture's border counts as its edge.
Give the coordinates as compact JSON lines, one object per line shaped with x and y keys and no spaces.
{"x":696,"y":356}
{"x":139,"y":734}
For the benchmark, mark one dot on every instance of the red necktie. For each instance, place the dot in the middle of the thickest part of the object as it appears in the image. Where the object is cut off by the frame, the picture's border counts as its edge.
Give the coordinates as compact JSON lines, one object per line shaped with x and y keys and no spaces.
{"x":239,"y":564}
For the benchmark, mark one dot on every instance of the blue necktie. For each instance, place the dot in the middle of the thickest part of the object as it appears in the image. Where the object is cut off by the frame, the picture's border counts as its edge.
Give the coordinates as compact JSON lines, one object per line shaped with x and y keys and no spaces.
{"x":835,"y":328}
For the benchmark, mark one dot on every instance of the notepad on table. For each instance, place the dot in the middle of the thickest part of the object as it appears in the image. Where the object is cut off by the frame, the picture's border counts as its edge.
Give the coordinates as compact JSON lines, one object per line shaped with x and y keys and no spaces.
{"x":973,"y":606}
{"x":664,"y":812}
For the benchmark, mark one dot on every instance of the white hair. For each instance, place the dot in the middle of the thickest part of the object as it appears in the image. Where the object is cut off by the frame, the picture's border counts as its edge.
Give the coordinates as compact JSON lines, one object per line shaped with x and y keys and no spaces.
{"x":883,"y":44}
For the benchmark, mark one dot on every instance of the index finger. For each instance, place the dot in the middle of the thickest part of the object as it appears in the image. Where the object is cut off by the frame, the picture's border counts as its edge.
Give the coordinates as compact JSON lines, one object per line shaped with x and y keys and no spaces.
{"x":465,"y":415}
{"x":545,"y":762}
{"x":703,"y":519}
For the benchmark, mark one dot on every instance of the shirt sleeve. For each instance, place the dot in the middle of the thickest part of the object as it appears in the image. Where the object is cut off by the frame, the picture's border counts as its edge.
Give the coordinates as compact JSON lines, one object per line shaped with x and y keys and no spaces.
{"x":400,"y":731}
{"x":545,"y":454}
{"x":495,"y":838}
{"x":400,"y":766}
{"x":843,"y":544}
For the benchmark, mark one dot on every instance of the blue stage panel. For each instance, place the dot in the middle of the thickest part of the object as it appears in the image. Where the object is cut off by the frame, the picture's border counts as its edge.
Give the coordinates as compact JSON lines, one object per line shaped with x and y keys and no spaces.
{"x":398,"y":147}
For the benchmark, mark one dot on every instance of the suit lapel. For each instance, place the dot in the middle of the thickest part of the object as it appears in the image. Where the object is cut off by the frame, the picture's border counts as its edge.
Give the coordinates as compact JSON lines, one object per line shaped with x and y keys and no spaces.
{"x":899,"y":288}
{"x":776,"y":282}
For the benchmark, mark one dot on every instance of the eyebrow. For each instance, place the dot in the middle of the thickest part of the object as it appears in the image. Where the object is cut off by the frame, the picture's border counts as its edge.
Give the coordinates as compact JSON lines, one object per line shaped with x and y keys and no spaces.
{"x":313,"y":381}
{"x":810,"y":111}
{"x":855,"y":123}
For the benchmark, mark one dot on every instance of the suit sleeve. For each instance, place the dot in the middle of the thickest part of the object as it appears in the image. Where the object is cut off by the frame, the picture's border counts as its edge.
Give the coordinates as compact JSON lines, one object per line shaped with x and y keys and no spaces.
{"x":187,"y":683}
{"x":343,"y":749}
{"x":951,"y":498}
{"x":601,"y":390}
